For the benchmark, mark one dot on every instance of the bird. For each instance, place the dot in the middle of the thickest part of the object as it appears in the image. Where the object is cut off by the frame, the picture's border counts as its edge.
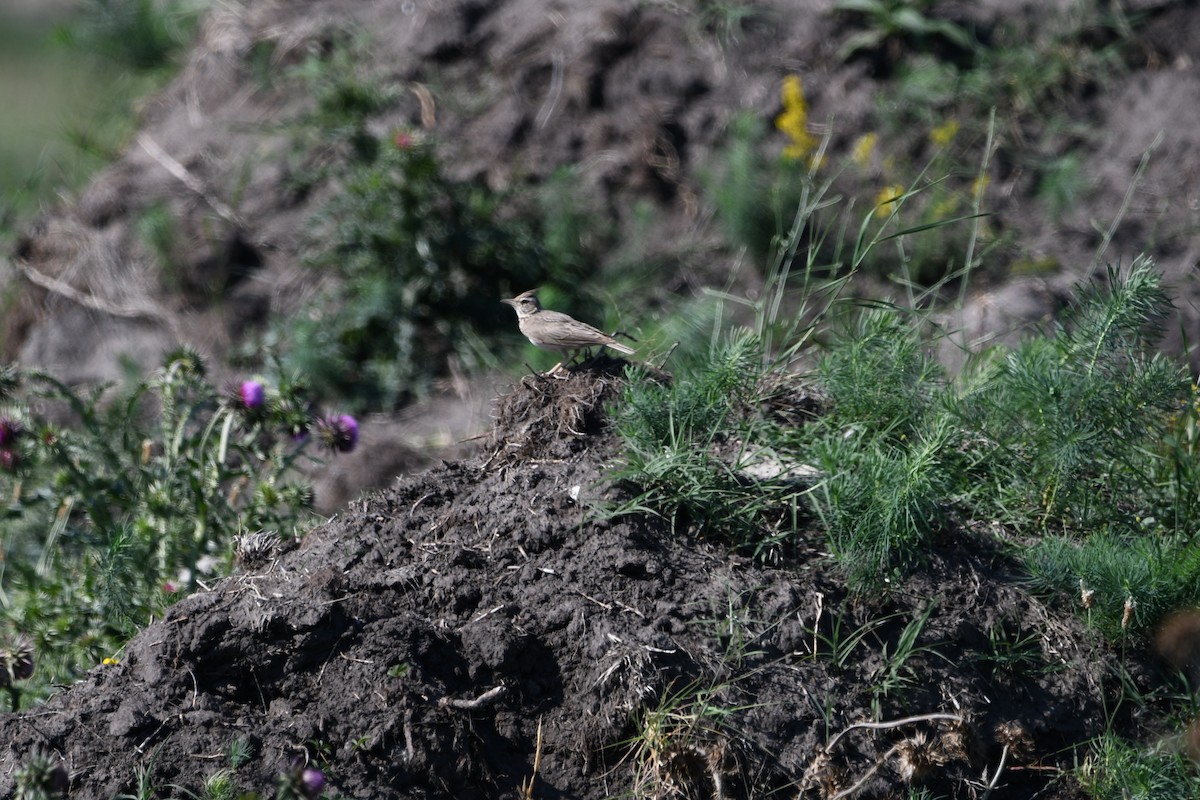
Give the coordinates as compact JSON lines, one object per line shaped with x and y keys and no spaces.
{"x":553,"y":330}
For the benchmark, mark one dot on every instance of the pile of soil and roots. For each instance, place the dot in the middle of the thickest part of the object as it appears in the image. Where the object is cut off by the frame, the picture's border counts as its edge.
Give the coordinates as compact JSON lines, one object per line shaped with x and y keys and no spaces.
{"x":475,"y":627}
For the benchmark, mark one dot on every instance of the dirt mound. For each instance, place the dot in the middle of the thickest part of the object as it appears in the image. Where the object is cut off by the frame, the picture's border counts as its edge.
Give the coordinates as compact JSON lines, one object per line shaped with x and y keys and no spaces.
{"x":477,"y":626}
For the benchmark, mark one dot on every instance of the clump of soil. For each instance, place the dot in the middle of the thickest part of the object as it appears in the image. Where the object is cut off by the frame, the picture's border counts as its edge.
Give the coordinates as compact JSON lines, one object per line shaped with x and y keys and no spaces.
{"x":479,"y":626}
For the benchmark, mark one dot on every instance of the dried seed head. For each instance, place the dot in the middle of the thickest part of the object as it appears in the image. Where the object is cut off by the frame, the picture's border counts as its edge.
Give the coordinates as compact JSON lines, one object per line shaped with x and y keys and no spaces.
{"x":918,"y":757}
{"x":1013,"y":735}
{"x":1086,"y":596}
{"x":1127,"y":613}
{"x":255,"y":549}
{"x":957,"y":739}
{"x":16,"y":661}
{"x":822,"y":776}
{"x":338,"y":432}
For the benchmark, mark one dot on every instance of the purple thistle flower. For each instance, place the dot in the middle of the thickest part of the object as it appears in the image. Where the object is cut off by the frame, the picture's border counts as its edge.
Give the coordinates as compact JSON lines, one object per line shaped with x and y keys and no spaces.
{"x":339,"y":432}
{"x":312,"y":781}
{"x":249,"y":397}
{"x":252,"y":394}
{"x":10,"y":429}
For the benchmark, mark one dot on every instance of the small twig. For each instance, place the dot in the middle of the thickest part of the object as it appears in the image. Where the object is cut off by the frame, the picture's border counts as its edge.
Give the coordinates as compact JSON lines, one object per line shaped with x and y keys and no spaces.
{"x":485,"y":699}
{"x":410,"y":751}
{"x":557,"y":60}
{"x":428,"y":107}
{"x":171,"y":165}
{"x":996,"y":778}
{"x":896,"y":723}
{"x":867,"y":775}
{"x":86,"y":300}
{"x":526,"y":792}
{"x":663,"y":361}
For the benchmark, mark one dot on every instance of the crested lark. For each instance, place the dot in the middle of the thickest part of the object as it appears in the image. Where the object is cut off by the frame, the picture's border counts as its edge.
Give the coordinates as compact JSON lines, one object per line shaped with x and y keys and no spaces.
{"x":553,"y":330}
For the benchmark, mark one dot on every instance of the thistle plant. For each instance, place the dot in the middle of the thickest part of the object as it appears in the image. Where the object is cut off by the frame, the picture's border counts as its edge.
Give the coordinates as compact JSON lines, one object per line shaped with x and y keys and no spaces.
{"x":41,"y":776}
{"x":125,"y":498}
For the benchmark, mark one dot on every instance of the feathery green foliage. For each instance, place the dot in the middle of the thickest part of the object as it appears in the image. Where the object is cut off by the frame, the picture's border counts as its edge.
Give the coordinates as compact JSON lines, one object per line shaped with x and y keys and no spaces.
{"x":1121,"y":770}
{"x":141,"y":34}
{"x":417,"y":262}
{"x":687,"y":445}
{"x":1149,"y":571}
{"x":424,"y":262}
{"x":1075,"y":421}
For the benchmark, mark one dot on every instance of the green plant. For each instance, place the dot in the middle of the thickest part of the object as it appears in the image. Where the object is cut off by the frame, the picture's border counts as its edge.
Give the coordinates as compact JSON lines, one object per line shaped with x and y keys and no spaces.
{"x":1134,"y":577}
{"x":1011,"y":651}
{"x":1117,"y":769}
{"x":734,"y":629}
{"x":146,"y":788}
{"x":416,"y":262}
{"x":880,"y":502}
{"x":679,"y":742}
{"x":141,"y":34}
{"x":241,"y":750}
{"x":758,"y":198}
{"x":886,"y":449}
{"x":896,"y":672}
{"x":1074,"y":422}
{"x":688,"y":444}
{"x":423,"y":263}
{"x":41,"y":777}
{"x":133,"y":495}
{"x":220,"y":785}
{"x":841,"y":643}
{"x":887,"y":23}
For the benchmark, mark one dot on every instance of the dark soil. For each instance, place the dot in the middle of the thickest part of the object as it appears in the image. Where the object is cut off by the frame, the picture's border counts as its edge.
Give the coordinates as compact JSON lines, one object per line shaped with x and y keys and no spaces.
{"x":638,"y":99}
{"x":415,"y":646}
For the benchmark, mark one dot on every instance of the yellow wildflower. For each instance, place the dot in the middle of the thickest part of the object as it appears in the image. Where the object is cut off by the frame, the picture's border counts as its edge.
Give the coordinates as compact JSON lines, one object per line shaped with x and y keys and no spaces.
{"x":794,"y":120}
{"x":944,"y":134}
{"x":887,"y":195}
{"x":864,"y":146}
{"x":108,"y":661}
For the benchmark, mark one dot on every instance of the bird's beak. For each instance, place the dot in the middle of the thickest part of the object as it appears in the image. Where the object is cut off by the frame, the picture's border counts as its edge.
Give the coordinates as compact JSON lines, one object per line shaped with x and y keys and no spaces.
{"x":511,"y":302}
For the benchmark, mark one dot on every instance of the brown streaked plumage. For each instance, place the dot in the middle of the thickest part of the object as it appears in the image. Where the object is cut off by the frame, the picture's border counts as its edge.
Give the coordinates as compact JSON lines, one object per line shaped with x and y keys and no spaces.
{"x":553,"y":330}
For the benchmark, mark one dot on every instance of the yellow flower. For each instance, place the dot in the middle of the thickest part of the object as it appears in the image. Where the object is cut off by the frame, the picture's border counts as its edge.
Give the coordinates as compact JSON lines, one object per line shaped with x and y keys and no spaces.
{"x":108,"y":662}
{"x":793,"y":94}
{"x":864,"y":146}
{"x":794,"y":120}
{"x":887,"y":195}
{"x":944,"y":134}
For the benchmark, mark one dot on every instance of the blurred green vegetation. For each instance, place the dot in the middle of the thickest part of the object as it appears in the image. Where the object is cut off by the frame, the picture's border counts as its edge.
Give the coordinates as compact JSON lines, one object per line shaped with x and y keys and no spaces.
{"x":70,"y":78}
